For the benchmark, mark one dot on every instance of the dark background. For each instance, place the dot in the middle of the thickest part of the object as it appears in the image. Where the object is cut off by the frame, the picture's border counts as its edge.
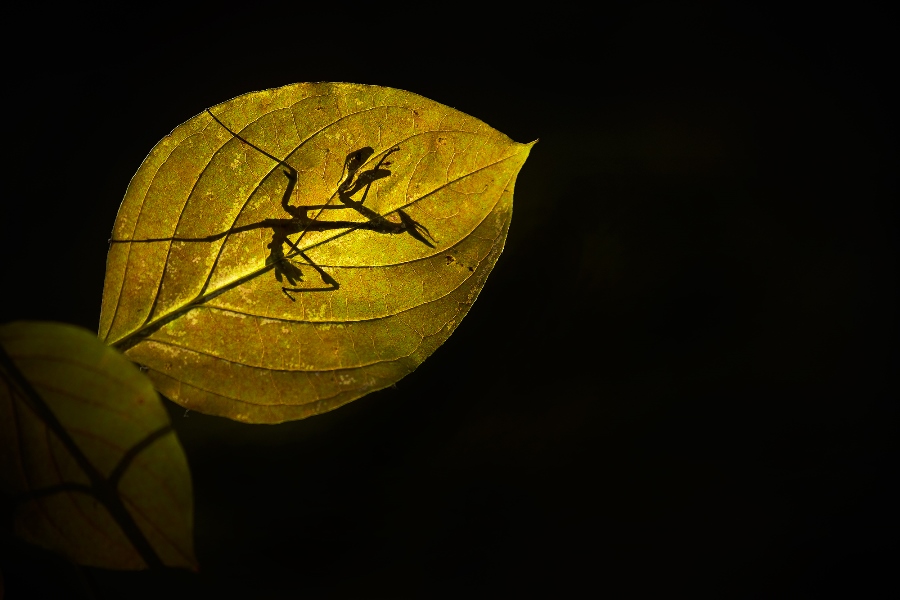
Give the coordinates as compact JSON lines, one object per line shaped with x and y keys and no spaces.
{"x":679,"y":379}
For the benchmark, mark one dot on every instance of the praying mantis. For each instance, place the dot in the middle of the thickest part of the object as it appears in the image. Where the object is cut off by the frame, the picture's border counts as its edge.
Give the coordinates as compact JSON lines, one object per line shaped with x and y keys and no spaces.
{"x":356,"y":181}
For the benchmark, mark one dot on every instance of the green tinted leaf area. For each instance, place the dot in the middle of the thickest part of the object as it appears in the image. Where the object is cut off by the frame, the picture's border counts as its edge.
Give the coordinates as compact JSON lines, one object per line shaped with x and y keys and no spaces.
{"x":87,"y":451}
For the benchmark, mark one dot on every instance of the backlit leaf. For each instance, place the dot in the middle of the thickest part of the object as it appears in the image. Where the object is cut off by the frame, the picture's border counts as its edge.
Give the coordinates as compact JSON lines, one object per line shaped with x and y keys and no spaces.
{"x":88,"y":452}
{"x":242,"y":304}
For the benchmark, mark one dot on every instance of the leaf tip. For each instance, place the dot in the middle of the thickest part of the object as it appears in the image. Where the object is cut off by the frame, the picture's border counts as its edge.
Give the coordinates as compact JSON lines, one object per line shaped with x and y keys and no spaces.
{"x":528,"y":146}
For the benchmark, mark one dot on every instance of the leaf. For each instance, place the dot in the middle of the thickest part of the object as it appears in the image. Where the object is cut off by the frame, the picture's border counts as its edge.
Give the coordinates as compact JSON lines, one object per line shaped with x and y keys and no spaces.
{"x":87,"y":450}
{"x":243,"y":304}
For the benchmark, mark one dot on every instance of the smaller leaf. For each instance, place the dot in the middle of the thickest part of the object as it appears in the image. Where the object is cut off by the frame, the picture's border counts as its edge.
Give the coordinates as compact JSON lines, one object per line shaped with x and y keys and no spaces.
{"x":88,"y":451}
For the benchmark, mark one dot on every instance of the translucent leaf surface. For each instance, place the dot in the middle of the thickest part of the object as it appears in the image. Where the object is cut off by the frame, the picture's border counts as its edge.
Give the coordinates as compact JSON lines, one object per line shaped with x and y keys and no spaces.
{"x":87,"y":450}
{"x":290,"y":250}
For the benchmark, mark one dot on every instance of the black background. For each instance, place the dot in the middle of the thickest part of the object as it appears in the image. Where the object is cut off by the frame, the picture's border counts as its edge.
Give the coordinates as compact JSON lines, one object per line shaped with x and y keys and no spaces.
{"x":678,"y":379}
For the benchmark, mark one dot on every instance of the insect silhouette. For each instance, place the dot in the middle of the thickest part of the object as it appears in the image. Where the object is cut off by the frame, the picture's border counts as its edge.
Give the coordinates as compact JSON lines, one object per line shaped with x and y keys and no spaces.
{"x":284,"y":263}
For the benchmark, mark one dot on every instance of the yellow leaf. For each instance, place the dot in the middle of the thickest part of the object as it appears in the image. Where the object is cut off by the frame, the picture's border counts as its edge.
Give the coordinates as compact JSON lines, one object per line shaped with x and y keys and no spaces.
{"x":291,"y":250}
{"x":88,"y":452}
